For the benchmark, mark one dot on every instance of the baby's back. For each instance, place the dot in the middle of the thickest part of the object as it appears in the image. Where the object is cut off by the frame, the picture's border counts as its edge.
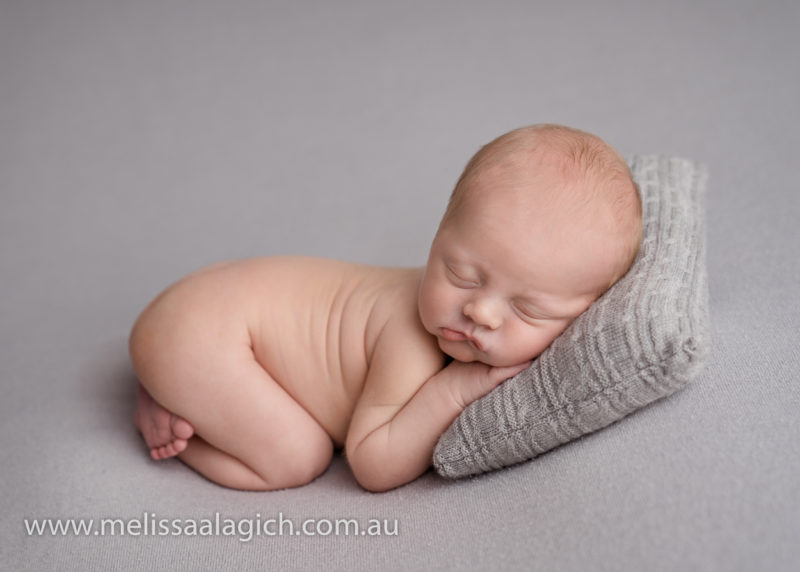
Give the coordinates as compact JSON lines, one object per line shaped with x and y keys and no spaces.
{"x":310,"y":323}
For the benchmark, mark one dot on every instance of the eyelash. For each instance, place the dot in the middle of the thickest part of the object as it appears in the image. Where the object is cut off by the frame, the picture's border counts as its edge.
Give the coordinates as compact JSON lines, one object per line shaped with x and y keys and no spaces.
{"x":525,"y":314}
{"x":461,"y":282}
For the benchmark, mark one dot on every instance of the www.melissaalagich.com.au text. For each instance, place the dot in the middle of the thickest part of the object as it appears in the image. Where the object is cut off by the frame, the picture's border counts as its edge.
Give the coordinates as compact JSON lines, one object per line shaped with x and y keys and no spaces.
{"x":244,"y":529}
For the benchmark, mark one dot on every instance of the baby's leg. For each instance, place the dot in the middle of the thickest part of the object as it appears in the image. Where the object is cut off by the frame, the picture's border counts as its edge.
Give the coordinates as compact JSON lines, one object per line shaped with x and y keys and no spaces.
{"x":164,"y":432}
{"x":249,"y":433}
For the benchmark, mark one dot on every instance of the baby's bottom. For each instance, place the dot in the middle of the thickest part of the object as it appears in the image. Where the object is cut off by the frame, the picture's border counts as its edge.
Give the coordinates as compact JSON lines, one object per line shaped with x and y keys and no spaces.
{"x":244,"y":430}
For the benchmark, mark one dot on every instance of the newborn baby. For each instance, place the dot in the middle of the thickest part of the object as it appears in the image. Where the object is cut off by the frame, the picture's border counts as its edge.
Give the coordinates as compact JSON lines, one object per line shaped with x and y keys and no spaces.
{"x":252,"y":372}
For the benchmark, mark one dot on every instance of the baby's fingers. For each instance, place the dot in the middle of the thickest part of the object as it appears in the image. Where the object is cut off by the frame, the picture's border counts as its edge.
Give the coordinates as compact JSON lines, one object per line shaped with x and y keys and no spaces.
{"x":498,"y":374}
{"x":466,"y":382}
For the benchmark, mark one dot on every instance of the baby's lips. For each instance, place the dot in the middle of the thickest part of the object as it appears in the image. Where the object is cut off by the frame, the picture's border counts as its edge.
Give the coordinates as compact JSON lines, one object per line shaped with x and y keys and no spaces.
{"x":476,"y":344}
{"x":459,"y":336}
{"x":453,"y":335}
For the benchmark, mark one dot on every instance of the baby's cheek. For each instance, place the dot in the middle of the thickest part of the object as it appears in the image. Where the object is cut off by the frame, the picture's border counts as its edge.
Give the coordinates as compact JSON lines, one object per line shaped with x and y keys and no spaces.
{"x":429,"y":305}
{"x":433,"y":297}
{"x":534,"y":342}
{"x":548,"y":335}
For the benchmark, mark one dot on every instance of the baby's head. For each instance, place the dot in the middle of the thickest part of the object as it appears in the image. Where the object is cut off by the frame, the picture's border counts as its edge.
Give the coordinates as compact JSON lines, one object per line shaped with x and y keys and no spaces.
{"x":543,"y":220}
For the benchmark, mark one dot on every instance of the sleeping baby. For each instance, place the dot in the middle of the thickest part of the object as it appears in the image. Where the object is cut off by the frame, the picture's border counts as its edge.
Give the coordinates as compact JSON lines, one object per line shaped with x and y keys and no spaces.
{"x":254,"y":372}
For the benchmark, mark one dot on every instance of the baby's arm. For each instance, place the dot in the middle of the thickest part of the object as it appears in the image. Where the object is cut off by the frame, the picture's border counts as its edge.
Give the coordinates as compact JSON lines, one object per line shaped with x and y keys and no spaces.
{"x":407,"y":403}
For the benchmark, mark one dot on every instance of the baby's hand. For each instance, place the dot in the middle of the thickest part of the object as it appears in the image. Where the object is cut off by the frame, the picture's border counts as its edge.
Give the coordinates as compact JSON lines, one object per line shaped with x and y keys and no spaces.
{"x":466,"y":382}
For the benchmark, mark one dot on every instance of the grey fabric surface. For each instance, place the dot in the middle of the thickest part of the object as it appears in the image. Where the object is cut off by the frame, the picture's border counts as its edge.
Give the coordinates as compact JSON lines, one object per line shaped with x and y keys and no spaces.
{"x":142,"y":140}
{"x":644,"y":339}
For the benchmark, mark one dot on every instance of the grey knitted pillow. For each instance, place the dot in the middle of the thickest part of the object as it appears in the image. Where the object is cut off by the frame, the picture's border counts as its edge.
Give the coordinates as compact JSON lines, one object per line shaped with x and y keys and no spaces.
{"x":642,"y":340}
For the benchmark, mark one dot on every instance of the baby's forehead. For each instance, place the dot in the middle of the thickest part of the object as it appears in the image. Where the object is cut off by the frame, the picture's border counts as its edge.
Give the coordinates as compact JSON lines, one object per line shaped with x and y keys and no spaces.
{"x":553,"y":210}
{"x":527,"y":188}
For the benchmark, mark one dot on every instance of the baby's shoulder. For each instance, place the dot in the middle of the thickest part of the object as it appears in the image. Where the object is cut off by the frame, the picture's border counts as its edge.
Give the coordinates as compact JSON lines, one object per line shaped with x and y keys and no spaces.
{"x":403,"y":358}
{"x":403,"y":336}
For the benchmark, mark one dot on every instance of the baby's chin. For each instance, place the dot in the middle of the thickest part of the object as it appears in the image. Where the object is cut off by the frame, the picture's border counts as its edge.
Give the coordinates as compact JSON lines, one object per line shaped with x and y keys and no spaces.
{"x":463,"y":352}
{"x":459,"y":351}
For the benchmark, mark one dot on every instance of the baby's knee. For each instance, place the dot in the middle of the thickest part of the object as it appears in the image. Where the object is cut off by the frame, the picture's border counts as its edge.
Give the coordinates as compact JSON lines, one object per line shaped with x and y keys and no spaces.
{"x":309,"y":458}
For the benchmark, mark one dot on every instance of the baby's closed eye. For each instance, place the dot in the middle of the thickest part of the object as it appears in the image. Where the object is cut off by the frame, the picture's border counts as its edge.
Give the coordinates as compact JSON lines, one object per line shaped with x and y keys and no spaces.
{"x":528,"y":312}
{"x":462,"y":278}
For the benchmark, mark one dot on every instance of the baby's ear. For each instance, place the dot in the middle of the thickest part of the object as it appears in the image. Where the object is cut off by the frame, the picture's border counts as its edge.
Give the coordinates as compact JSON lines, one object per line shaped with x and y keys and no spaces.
{"x":645,"y":338}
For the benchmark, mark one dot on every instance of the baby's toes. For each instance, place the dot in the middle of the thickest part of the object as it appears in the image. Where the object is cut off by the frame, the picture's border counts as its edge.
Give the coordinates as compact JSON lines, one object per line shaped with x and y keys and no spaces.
{"x":178,"y":445}
{"x":169,"y":450}
{"x":174,"y":447}
{"x":181,"y":428}
{"x":160,"y":452}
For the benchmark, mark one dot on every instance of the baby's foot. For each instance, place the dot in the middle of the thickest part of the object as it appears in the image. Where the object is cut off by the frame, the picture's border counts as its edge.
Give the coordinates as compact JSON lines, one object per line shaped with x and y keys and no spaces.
{"x":164,"y":432}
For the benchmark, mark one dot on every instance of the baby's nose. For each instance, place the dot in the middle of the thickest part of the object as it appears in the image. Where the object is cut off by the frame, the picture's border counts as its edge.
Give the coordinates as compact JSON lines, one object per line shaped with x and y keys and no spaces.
{"x":484,"y":313}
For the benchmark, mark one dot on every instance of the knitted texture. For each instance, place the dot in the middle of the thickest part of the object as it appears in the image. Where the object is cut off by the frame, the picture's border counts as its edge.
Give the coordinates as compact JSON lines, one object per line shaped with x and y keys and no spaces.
{"x":645,"y":338}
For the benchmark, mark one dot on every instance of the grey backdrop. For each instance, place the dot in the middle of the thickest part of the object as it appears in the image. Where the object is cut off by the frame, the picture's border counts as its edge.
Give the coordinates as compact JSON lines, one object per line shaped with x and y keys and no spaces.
{"x":142,"y":140}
